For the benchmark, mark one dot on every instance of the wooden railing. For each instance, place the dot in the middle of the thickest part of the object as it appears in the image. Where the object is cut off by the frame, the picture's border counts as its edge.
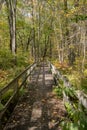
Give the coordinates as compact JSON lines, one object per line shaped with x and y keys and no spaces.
{"x":14,"y":86}
{"x":82,"y":97}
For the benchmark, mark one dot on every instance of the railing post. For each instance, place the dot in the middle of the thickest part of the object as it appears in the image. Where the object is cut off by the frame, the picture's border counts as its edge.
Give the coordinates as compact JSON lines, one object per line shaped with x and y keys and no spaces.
{"x":16,"y":89}
{"x":28,"y":73}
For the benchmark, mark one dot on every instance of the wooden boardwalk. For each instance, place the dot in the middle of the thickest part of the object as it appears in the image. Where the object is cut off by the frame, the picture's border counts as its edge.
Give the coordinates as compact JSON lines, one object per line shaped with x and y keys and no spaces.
{"x":38,"y":108}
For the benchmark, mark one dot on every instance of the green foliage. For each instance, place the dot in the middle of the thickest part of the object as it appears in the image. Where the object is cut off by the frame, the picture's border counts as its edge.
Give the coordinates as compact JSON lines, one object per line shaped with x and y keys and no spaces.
{"x":6,"y":59}
{"x":69,"y":126}
{"x":75,"y":79}
{"x":6,"y":96}
{"x":85,"y":72}
{"x":8,"y":69}
{"x":22,"y":92}
{"x":70,"y":92}
{"x":58,"y":91}
{"x":84,"y":84}
{"x":81,"y":17}
{"x":61,"y":84}
{"x":77,"y":116}
{"x":22,"y":60}
{"x":69,"y":108}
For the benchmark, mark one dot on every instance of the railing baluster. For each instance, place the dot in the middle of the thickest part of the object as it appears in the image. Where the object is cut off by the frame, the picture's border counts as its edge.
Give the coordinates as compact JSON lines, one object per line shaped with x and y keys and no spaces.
{"x":16,"y":88}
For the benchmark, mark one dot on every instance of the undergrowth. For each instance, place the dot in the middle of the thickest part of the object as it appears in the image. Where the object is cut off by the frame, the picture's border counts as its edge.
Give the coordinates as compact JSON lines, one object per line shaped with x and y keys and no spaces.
{"x":76,"y":113}
{"x":74,"y":74}
{"x":76,"y":118}
{"x":8,"y":68}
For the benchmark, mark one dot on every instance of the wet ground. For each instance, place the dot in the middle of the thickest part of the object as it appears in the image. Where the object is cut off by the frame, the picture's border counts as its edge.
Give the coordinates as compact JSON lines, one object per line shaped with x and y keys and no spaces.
{"x":38,"y":108}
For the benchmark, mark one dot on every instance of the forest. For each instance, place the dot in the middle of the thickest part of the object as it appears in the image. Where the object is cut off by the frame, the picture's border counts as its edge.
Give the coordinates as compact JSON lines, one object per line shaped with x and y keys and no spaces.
{"x":53,"y":31}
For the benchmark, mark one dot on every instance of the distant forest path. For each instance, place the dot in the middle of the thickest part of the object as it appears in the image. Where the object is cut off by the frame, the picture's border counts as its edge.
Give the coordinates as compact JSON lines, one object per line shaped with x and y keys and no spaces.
{"x":39,"y":108}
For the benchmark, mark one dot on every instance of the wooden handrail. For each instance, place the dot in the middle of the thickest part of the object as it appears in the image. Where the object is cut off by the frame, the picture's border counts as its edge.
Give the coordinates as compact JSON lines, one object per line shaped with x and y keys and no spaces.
{"x":15,"y":85}
{"x":82,"y":98}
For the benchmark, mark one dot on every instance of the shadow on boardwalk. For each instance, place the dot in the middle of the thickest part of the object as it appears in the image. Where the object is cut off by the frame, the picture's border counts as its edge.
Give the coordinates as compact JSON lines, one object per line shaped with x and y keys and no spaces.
{"x":39,"y":108}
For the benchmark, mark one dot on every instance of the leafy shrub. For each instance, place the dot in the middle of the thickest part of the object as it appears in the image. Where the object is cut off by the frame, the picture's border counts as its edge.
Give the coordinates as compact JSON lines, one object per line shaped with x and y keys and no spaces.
{"x":6,"y":59}
{"x":84,"y":84}
{"x":8,"y":68}
{"x":6,"y":96}
{"x":78,"y":117}
{"x":70,"y":92}
{"x":22,"y":60}
{"x":22,"y":92}
{"x":85,"y":72}
{"x":58,"y":91}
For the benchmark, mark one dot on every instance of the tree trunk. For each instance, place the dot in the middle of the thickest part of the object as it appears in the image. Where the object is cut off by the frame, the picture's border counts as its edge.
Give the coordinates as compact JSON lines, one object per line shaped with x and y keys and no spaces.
{"x":11,"y":7}
{"x":50,"y":49}
{"x":1,"y":3}
{"x":83,"y":41}
{"x":65,"y":5}
{"x":33,"y":22}
{"x":76,"y":3}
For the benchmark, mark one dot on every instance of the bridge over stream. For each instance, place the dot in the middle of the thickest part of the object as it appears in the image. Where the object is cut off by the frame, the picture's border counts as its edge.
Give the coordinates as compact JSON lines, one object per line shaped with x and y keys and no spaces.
{"x":39,"y":108}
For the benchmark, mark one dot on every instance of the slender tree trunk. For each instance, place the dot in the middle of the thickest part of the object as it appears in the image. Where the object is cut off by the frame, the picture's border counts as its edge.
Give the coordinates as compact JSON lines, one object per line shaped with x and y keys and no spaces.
{"x":39,"y":24}
{"x":83,"y":41}
{"x":50,"y":49}
{"x":1,"y":3}
{"x":34,"y":36}
{"x":11,"y":7}
{"x":46,"y":46}
{"x":84,"y":55}
{"x":61,"y":47}
{"x":65,"y":5}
